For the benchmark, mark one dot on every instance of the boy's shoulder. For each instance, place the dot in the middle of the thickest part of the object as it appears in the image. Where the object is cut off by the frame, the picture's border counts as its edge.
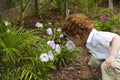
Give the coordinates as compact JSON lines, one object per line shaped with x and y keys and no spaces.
{"x":100,"y":37}
{"x":105,"y":34}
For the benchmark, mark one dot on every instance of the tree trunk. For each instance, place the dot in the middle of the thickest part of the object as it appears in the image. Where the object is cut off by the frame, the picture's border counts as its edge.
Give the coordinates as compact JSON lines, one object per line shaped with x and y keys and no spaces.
{"x":22,"y":13}
{"x":111,"y":4}
{"x":36,"y":6}
{"x":66,"y":9}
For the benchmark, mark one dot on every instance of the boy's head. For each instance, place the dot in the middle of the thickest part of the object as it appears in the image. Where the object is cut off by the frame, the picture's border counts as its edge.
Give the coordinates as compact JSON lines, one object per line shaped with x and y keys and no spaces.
{"x":77,"y":27}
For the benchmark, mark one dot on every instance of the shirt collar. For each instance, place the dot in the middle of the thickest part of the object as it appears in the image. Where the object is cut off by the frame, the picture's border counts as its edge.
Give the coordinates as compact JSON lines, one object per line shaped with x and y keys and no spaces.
{"x":91,"y":35}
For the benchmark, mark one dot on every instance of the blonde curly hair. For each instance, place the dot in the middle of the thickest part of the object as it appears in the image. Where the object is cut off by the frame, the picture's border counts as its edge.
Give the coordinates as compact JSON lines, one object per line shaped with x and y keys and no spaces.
{"x":77,"y":24}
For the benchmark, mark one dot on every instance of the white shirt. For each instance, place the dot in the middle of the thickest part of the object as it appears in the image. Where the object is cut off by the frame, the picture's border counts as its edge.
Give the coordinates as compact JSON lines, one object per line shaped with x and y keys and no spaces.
{"x":98,"y":43}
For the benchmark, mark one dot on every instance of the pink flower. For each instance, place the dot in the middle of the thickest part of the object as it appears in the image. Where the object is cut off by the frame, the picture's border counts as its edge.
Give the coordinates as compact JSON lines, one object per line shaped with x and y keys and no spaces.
{"x":104,"y":17}
{"x":51,"y":44}
{"x":49,"y":31}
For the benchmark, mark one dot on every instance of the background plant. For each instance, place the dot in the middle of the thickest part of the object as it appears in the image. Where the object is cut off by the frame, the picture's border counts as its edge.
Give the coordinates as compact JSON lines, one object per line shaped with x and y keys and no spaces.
{"x":85,"y":6}
{"x":20,"y":50}
{"x":59,"y":5}
{"x":111,"y":23}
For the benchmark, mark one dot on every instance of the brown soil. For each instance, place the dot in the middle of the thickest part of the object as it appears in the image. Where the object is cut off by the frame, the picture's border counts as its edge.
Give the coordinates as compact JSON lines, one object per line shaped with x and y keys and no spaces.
{"x":77,"y":70}
{"x":46,"y":16}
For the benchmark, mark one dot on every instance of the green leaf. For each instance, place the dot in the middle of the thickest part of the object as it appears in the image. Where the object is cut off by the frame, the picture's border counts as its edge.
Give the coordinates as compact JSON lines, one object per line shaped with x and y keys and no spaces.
{"x":23,"y":74}
{"x":2,"y":43}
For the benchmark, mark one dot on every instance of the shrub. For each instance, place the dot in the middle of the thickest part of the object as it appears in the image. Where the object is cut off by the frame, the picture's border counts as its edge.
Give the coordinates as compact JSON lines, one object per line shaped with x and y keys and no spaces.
{"x":54,"y":35}
{"x":107,"y":23}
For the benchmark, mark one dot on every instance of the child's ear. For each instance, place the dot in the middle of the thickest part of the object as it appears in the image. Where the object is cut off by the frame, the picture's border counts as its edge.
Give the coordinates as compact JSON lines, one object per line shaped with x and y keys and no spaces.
{"x":77,"y":36}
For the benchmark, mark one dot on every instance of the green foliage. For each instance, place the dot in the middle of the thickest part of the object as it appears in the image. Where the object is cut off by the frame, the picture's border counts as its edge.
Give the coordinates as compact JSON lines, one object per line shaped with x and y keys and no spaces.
{"x":103,"y":11}
{"x":60,"y":5}
{"x":13,"y":2}
{"x":19,"y":55}
{"x":66,"y":56}
{"x":88,"y":7}
{"x":110,"y":25}
{"x":21,"y":50}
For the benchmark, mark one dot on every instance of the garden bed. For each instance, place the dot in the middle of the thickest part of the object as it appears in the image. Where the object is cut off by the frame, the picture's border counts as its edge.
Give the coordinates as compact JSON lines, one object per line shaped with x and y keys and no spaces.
{"x":76,"y":70}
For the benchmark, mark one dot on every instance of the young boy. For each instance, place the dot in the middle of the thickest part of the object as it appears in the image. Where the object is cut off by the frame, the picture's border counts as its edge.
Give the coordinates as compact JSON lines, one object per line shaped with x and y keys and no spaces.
{"x":104,"y":46}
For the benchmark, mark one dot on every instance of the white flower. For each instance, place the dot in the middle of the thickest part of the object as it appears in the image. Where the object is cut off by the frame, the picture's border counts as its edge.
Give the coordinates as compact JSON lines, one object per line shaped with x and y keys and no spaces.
{"x":51,"y":44}
{"x":8,"y":30}
{"x":61,"y":35}
{"x":48,"y":42}
{"x":38,"y":24}
{"x":50,"y":55}
{"x":59,"y":29}
{"x":49,"y":23}
{"x":6,"y":23}
{"x":70,"y":45}
{"x":57,"y":48}
{"x":44,"y":57}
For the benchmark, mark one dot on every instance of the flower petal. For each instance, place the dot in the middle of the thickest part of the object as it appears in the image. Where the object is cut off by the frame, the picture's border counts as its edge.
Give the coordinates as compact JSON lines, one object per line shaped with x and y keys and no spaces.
{"x":50,"y":55}
{"x":52,"y":44}
{"x":59,"y":30}
{"x":70,"y":45}
{"x":49,"y":31}
{"x":39,"y":25}
{"x":57,"y":48}
{"x":44,"y":57}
